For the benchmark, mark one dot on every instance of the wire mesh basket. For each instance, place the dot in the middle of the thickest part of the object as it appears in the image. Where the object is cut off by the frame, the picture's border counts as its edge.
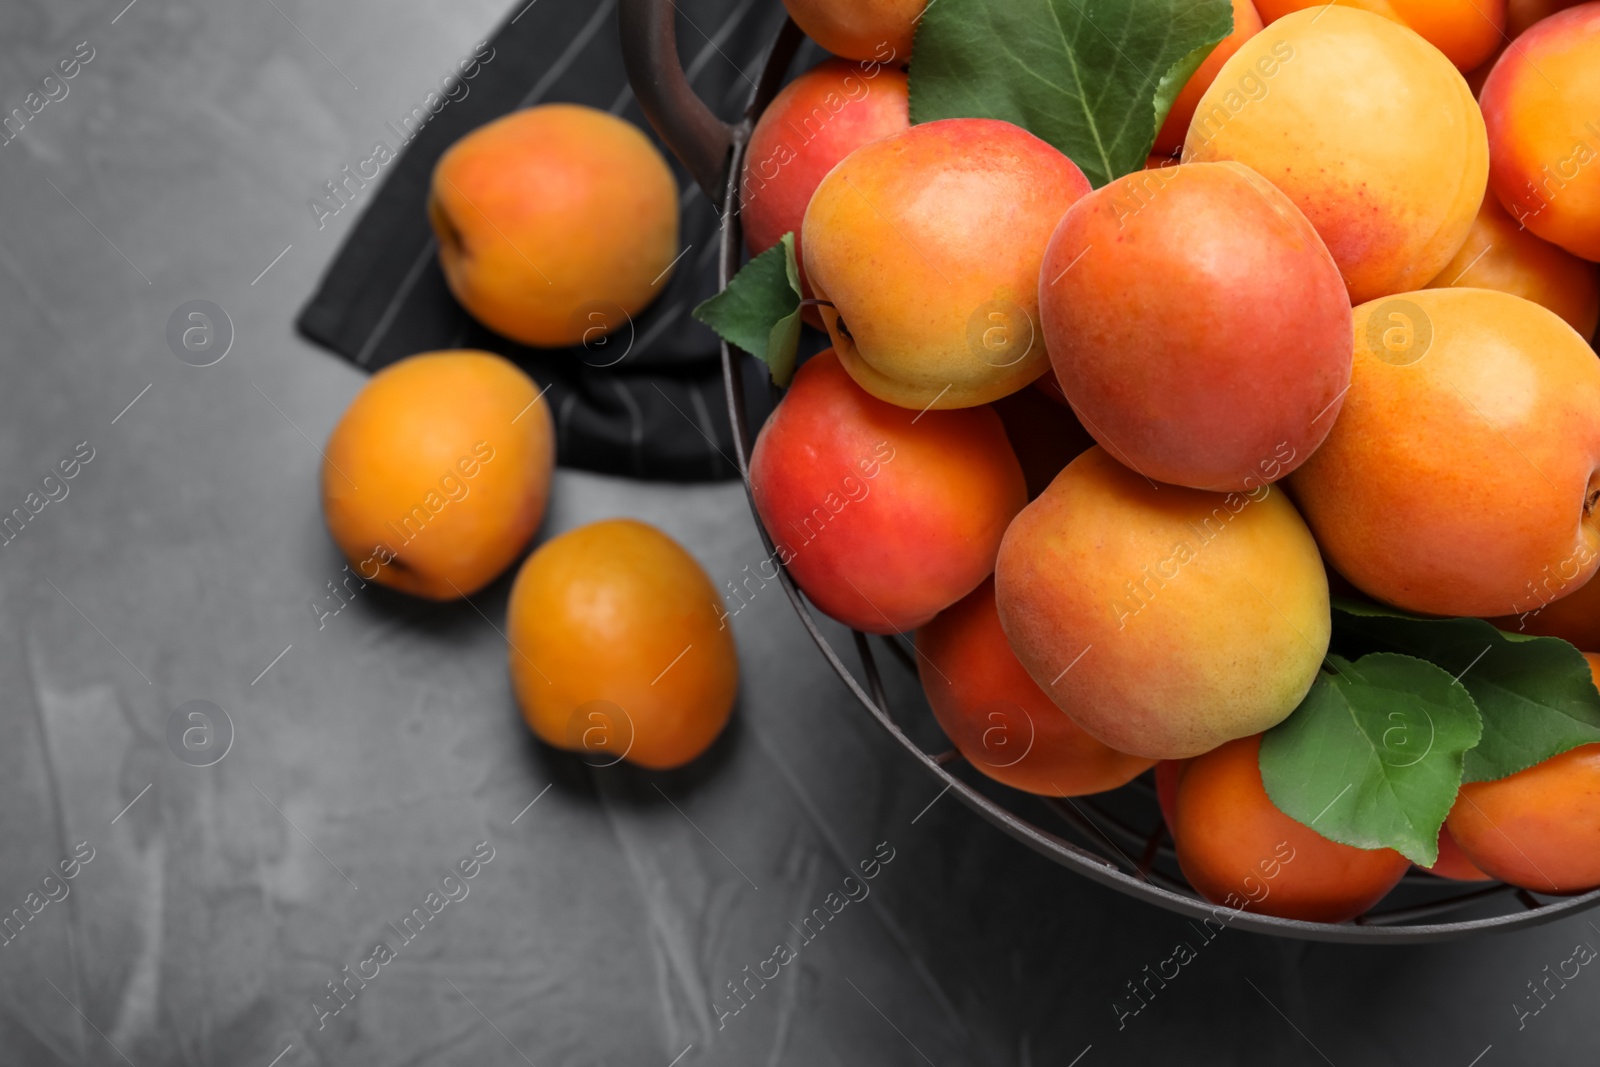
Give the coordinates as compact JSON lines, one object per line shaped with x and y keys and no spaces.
{"x":1118,"y":838}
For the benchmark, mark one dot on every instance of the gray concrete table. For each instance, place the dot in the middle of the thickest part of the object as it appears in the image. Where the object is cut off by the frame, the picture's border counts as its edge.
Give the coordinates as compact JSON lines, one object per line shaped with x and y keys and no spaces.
{"x":376,"y":749}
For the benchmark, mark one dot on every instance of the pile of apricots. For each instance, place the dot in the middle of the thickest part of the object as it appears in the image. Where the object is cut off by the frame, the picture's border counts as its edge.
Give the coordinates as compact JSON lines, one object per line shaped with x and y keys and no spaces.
{"x":1104,"y":449}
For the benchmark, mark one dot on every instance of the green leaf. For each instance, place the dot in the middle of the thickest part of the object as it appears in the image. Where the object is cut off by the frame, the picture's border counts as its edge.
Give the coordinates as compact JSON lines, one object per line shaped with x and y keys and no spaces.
{"x":1095,"y":78}
{"x":1536,"y":694}
{"x":759,"y":311}
{"x":1373,"y":756}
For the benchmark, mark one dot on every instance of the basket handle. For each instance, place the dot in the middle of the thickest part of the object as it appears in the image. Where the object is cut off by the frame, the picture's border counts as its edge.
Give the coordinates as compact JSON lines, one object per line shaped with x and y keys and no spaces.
{"x":694,"y":133}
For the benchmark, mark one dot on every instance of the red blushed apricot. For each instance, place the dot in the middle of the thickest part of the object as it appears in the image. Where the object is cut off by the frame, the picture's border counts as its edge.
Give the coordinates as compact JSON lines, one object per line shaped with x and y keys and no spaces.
{"x":1197,"y":325}
{"x":999,"y":718}
{"x":1044,"y":433}
{"x":818,"y":119}
{"x":1539,"y":828}
{"x":883,"y":516}
{"x":1235,"y":847}
{"x":1574,"y":618}
{"x":1501,"y":255}
{"x":1246,"y":24}
{"x":1466,"y":31}
{"x":1541,"y":106}
{"x":1453,"y":863}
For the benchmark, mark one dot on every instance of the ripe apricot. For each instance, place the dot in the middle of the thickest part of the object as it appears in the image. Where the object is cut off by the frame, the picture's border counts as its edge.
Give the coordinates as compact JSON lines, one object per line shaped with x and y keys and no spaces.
{"x":1164,"y":620}
{"x":617,"y":648}
{"x":1246,"y":24}
{"x":1367,"y":128}
{"x":1541,"y":106}
{"x":436,"y":476}
{"x":998,"y":718}
{"x":554,"y":223}
{"x":1453,"y":863}
{"x":1043,"y":435}
{"x":1197,"y":325}
{"x":1463,"y":472}
{"x":860,"y":29}
{"x":1574,"y":617}
{"x":1466,"y":31}
{"x":927,"y":244}
{"x":1539,"y":828}
{"x":884,"y":516}
{"x":1235,"y":847}
{"x":1501,"y":255}
{"x":818,"y":119}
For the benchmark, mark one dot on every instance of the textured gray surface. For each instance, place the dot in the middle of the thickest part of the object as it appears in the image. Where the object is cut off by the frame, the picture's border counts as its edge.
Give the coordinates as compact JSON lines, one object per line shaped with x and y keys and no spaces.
{"x":383,"y":747}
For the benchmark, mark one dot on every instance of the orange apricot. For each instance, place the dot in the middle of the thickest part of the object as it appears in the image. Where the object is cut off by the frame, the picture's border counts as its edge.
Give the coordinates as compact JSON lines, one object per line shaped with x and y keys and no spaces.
{"x":1246,"y":24}
{"x":1453,"y":863}
{"x":1367,"y":128}
{"x":1574,"y":617}
{"x":617,"y":647}
{"x":997,"y":716}
{"x":1466,"y":31}
{"x":1501,"y":255}
{"x":553,"y":222}
{"x":436,"y":476}
{"x":1538,"y":828}
{"x":1463,"y":474}
{"x":1235,"y":847}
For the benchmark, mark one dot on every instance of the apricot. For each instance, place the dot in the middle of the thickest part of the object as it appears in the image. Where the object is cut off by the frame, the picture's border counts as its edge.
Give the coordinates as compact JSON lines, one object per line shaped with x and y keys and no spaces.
{"x":555,"y":222}
{"x":1538,"y":828}
{"x":818,"y":119}
{"x":436,"y":476}
{"x":1163,"y":620}
{"x":927,"y":244}
{"x":1574,"y":617}
{"x":998,"y":718}
{"x":1461,"y":476}
{"x":1197,"y":325}
{"x":1466,"y":31}
{"x":1453,"y":863}
{"x":1501,"y":255}
{"x":885,"y":517}
{"x":1246,"y":24}
{"x":1367,"y":128}
{"x":1044,"y":437}
{"x":1541,"y":106}
{"x":860,"y":29}
{"x":617,"y":647}
{"x":1235,"y":847}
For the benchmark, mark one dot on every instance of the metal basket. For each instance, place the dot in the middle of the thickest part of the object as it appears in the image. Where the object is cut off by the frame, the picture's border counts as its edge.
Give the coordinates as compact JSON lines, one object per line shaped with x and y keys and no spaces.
{"x":1118,"y":839}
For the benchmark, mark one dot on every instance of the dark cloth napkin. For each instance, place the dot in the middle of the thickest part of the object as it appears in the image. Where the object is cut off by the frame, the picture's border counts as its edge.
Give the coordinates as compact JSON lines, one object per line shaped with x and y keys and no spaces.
{"x":657,"y":412}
